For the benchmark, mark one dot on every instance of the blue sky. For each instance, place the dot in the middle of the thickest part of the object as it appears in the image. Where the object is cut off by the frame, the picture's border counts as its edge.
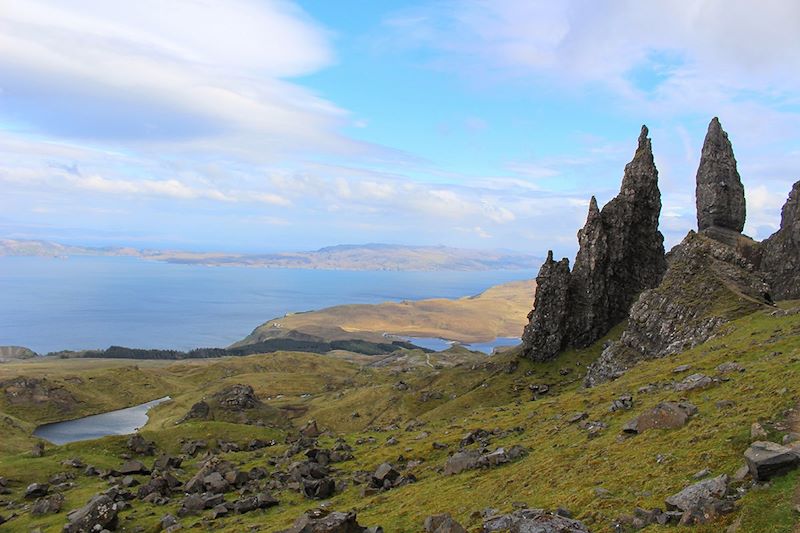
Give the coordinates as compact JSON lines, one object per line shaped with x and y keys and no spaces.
{"x":274,"y":125}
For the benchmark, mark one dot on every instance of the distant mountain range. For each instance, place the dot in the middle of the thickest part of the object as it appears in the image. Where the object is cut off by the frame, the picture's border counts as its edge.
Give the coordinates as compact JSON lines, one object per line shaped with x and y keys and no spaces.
{"x":373,"y":256}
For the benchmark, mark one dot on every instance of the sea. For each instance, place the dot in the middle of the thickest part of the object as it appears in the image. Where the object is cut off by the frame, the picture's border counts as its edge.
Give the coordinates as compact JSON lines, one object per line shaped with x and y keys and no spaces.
{"x":52,"y":304}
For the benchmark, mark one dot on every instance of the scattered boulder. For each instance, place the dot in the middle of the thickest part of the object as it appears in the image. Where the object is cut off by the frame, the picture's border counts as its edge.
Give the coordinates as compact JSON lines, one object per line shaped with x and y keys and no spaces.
{"x":133,"y":467}
{"x":99,"y":514}
{"x":533,"y":521}
{"x":473,"y":459}
{"x":461,"y":461}
{"x":36,"y":490}
{"x":697,"y":495}
{"x":247,"y":504}
{"x":48,"y":505}
{"x":730,"y":367}
{"x":193,"y":447}
{"x":623,"y":403}
{"x":665,"y":415}
{"x":138,"y":445}
{"x":323,"y":521}
{"x":694,"y":382}
{"x":767,"y":460}
{"x":310,"y":430}
{"x":442,"y":523}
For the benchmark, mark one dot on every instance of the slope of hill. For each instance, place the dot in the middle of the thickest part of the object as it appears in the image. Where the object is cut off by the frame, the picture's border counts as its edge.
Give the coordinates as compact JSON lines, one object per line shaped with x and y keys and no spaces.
{"x":497,"y":312}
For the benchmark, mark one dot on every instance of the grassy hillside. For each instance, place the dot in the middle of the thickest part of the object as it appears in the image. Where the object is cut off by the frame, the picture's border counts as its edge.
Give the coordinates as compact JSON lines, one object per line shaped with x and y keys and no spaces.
{"x":598,"y":478}
{"x":497,"y":312}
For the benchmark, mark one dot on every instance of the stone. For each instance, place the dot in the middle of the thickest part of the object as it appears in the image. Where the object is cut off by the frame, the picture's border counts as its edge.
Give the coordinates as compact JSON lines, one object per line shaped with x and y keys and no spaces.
{"x":168,"y":521}
{"x":730,"y":367}
{"x":442,"y":523}
{"x":133,"y":467}
{"x":780,"y":259}
{"x":48,"y":505}
{"x":165,"y":462}
{"x":621,"y":253}
{"x":99,"y":514}
{"x":696,"y":495}
{"x":237,"y":397}
{"x":576,"y":417}
{"x":310,"y":430}
{"x":323,"y":521}
{"x":533,"y":521}
{"x":138,"y":445}
{"x":768,"y":459}
{"x":319,"y":489}
{"x":251,"y":503}
{"x":719,"y":193}
{"x":665,"y":415}
{"x":460,"y":461}
{"x":38,"y":449}
{"x":193,"y":447}
{"x":73,"y":463}
{"x":757,"y":432}
{"x":385,"y":472}
{"x":623,"y":403}
{"x":693,"y":382}
{"x":681,"y":368}
{"x":199,"y":411}
{"x":215,"y":483}
{"x":36,"y":490}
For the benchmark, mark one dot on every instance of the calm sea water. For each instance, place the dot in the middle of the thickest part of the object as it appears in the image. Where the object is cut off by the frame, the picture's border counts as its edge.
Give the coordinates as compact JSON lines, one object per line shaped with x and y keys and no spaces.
{"x":121,"y":422}
{"x":94,"y":302}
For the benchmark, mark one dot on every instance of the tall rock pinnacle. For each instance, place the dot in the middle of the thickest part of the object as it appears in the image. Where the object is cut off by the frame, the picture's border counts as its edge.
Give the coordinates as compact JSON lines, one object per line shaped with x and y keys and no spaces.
{"x":781,"y":252}
{"x":720,"y":193}
{"x":621,"y":254}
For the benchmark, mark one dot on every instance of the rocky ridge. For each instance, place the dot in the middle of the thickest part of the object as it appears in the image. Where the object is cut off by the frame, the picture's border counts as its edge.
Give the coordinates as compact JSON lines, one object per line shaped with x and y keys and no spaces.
{"x":621,"y":253}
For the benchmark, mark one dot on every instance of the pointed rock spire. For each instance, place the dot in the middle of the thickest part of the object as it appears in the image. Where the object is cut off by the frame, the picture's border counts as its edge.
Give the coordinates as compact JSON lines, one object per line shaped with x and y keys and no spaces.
{"x":720,"y":193}
{"x":781,"y":252}
{"x":621,"y":253}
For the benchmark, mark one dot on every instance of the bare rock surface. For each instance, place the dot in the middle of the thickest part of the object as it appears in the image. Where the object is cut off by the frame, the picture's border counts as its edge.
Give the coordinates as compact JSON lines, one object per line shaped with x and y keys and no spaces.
{"x":781,"y":252}
{"x":720,"y":193}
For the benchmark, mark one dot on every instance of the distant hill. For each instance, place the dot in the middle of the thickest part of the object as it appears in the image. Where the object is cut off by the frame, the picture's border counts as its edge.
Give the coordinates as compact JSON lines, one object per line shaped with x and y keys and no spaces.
{"x":372,"y":256}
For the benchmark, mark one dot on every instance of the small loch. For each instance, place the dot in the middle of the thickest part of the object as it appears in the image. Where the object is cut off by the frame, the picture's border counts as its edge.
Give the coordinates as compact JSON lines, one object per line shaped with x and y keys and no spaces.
{"x":120,"y":422}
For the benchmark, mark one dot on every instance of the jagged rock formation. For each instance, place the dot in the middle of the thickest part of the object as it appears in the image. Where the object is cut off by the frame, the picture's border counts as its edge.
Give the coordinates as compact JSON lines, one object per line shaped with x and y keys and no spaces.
{"x":708,"y":283}
{"x":547,"y":321}
{"x":781,"y":252}
{"x":238,"y":404}
{"x":621,"y":253}
{"x":720,"y":193}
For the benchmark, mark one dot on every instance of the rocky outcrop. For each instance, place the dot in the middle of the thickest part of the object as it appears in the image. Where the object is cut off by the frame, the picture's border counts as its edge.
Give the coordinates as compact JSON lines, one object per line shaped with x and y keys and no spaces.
{"x":621,"y":254}
{"x":781,"y":252}
{"x":708,"y":284}
{"x":720,"y":193}
{"x":546,"y":330}
{"x":238,"y":404}
{"x":533,"y":521}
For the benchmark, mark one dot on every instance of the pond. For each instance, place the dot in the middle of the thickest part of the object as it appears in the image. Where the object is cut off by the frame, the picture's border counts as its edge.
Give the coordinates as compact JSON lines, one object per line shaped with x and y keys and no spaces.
{"x":120,"y":422}
{"x":436,"y":344}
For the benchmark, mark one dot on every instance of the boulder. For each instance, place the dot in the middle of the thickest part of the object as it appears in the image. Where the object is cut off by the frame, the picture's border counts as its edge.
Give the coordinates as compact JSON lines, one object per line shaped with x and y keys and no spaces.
{"x":100,"y":513}
{"x":533,"y":521}
{"x":319,"y":489}
{"x":767,"y":460}
{"x":138,"y":445}
{"x":383,"y":474}
{"x":665,"y":415}
{"x":460,"y":461}
{"x":694,"y":382}
{"x":322,"y":521}
{"x":251,"y":503}
{"x":310,"y":430}
{"x":442,"y":523}
{"x":48,"y":505}
{"x":719,"y":193}
{"x":36,"y":490}
{"x":133,"y":467}
{"x":621,"y":253}
{"x":781,"y":251}
{"x":697,"y":495}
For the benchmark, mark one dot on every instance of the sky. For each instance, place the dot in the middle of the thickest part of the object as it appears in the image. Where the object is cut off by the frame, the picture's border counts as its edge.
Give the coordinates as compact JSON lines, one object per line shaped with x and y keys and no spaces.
{"x":265,"y":125}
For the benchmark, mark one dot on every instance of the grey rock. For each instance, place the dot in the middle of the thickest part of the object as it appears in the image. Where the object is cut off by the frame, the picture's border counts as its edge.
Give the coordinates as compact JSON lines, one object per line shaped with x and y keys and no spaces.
{"x":133,"y":467}
{"x":322,"y":521}
{"x":694,"y":382}
{"x":48,"y":505}
{"x":727,"y":368}
{"x":781,"y":251}
{"x":443,"y":523}
{"x":665,"y":415}
{"x":139,"y":445}
{"x":768,"y":459}
{"x":36,"y":490}
{"x":683,"y":311}
{"x":621,"y":253}
{"x":719,"y":193}
{"x":697,"y":495}
{"x":99,"y":514}
{"x":533,"y":521}
{"x":460,"y":461}
{"x":623,"y":403}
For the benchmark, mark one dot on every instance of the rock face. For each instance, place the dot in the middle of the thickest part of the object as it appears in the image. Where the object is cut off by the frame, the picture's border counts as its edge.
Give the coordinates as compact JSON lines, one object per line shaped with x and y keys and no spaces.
{"x":719,"y":194}
{"x":781,"y":252}
{"x":621,"y":254}
{"x":708,"y":283}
